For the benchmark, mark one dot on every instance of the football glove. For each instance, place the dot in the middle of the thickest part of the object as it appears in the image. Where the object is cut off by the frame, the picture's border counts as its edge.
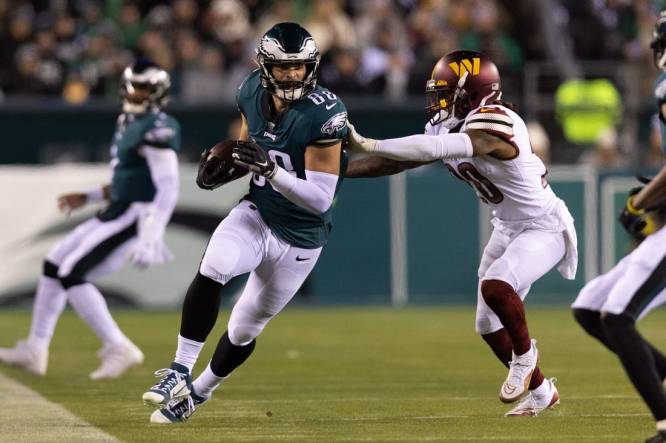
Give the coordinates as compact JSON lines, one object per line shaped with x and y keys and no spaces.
{"x":251,"y":156}
{"x":210,"y":173}
{"x":150,"y":248}
{"x":636,"y":222}
{"x":358,"y":143}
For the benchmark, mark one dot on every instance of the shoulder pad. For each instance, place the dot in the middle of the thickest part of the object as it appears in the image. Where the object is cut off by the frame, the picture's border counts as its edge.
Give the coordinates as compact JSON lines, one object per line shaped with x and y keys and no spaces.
{"x":493,"y":120}
{"x":160,"y":134}
{"x":163,"y":133}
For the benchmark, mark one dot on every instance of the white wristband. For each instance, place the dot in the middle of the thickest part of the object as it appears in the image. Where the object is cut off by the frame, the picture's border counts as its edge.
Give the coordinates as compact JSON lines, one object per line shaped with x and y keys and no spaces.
{"x":95,"y":195}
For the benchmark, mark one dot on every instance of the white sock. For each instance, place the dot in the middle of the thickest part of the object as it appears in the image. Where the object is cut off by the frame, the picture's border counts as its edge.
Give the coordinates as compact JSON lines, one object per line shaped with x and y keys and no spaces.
{"x":90,"y":305}
{"x":187,"y":352}
{"x":50,"y":301}
{"x":661,"y":425}
{"x":543,"y":389}
{"x":207,"y":382}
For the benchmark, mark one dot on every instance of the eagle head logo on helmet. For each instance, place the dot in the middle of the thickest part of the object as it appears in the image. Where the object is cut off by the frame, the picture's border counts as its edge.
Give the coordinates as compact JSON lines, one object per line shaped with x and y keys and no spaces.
{"x":460,"y":82}
{"x":658,"y":43}
{"x":288,"y":44}
{"x":144,"y":75}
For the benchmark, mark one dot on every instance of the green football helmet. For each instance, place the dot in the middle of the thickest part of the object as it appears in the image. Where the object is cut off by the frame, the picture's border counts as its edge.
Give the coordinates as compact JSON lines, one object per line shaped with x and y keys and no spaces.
{"x":145,"y":74}
{"x":287,"y":44}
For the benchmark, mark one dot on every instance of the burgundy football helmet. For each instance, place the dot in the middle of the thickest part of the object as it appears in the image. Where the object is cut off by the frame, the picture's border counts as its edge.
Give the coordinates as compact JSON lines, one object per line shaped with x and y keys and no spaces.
{"x":460,"y":82}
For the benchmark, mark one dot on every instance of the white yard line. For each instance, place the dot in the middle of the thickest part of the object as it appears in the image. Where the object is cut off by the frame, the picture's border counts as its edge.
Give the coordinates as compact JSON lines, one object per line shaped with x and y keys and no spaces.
{"x":27,"y":416}
{"x":566,"y":438}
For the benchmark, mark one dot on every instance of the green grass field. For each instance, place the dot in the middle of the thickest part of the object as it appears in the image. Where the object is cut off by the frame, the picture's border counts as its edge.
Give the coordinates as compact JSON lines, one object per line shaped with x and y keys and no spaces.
{"x":371,"y":374}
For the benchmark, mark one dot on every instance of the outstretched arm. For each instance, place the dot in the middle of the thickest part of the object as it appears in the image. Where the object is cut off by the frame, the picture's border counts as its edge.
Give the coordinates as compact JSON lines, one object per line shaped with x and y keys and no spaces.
{"x":420,"y":148}
{"x":374,"y":166}
{"x":428,"y":148}
{"x":489,"y":131}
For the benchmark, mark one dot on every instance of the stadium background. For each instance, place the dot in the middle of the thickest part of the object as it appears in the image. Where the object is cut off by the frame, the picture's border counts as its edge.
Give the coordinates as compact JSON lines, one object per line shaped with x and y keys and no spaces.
{"x":579,"y":71}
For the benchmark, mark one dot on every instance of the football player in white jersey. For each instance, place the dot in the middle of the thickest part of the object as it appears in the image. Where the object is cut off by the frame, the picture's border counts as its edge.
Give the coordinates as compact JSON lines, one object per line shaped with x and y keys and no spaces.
{"x":483,"y":142}
{"x":609,"y":306}
{"x":141,"y":197}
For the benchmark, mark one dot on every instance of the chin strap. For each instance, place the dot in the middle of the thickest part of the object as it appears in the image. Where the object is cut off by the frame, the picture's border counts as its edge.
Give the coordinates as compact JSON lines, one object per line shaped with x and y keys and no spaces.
{"x":453,"y":121}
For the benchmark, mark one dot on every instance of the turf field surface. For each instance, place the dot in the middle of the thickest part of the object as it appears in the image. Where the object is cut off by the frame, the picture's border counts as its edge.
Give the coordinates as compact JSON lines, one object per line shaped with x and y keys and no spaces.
{"x":348,"y":374}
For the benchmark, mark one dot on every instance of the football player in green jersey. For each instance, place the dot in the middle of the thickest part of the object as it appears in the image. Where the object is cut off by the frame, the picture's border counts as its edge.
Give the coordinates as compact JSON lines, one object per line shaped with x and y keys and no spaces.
{"x":291,"y":140}
{"x":609,"y":306}
{"x":141,"y":197}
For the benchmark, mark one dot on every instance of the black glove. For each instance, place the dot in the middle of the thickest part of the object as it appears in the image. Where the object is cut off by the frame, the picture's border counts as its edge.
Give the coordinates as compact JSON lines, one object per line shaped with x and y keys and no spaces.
{"x":214,"y":171}
{"x":207,"y":171}
{"x":251,"y":156}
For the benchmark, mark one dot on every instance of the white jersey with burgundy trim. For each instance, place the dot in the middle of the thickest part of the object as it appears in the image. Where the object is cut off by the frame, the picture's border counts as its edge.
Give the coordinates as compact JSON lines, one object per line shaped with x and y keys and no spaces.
{"x":516,"y":189}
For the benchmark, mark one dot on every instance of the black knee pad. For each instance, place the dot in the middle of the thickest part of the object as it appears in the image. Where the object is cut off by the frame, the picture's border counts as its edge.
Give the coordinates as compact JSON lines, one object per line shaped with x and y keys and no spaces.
{"x":71,"y":280}
{"x":50,"y":269}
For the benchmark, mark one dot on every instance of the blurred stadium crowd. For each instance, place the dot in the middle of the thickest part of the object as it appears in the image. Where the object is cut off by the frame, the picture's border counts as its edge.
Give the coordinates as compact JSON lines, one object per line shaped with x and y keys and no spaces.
{"x":76,"y":49}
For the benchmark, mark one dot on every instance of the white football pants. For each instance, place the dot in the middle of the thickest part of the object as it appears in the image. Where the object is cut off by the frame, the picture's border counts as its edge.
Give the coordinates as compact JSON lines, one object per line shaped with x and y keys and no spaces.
{"x":96,"y":248}
{"x":635,"y":286}
{"x":92,"y":250}
{"x":518,"y":259}
{"x":243,"y":243}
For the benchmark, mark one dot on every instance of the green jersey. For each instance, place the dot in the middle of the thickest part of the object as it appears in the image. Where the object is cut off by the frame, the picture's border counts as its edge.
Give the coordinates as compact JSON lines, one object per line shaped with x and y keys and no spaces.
{"x":317,"y":120}
{"x":131,"y":181}
{"x":660,"y":96}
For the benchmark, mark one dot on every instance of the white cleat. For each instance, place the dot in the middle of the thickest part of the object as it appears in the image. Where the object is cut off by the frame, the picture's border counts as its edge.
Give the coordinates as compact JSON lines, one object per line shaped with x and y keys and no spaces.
{"x":27,"y":357}
{"x":521,"y":368}
{"x":116,"y":359}
{"x":533,"y":404}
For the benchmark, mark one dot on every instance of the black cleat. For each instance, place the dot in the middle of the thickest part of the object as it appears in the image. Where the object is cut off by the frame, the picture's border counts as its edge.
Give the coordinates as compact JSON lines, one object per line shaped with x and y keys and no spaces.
{"x":659,"y":437}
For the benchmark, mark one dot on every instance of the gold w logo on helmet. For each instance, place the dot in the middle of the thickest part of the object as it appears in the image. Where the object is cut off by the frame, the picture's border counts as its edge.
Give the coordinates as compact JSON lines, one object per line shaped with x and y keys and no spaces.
{"x":466,"y":65}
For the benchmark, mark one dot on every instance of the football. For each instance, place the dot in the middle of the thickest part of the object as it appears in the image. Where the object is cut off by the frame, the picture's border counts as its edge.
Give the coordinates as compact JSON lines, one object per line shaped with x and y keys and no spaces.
{"x":218,"y":168}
